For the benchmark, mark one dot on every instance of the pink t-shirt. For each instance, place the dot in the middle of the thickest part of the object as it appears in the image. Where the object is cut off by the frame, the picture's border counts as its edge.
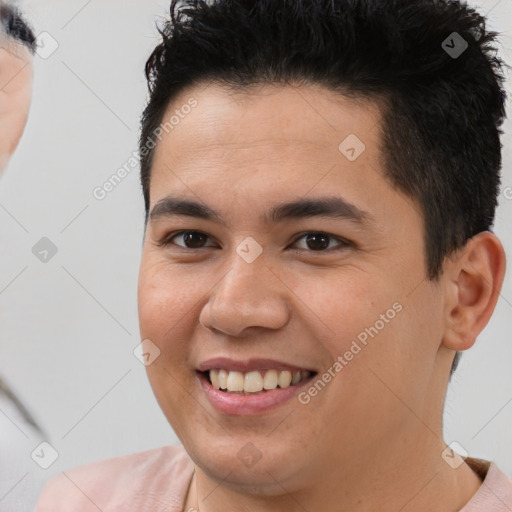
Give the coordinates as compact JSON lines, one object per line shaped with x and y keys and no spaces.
{"x":157,"y":481}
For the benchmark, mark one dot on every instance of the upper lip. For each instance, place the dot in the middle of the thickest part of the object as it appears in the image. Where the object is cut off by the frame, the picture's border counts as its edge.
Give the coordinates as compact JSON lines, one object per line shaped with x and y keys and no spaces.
{"x":248,"y":365}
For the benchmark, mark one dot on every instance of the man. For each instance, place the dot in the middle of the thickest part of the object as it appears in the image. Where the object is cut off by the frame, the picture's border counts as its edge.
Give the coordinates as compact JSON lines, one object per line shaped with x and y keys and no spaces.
{"x":320,"y":180}
{"x":20,"y":478}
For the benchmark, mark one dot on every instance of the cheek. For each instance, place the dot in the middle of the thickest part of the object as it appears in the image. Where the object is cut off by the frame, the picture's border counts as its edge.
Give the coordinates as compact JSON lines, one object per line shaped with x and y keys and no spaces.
{"x":163,"y":303}
{"x":394,"y":365}
{"x":166,"y":298}
{"x":344,"y":305}
{"x":12,"y":125}
{"x":368,"y":323}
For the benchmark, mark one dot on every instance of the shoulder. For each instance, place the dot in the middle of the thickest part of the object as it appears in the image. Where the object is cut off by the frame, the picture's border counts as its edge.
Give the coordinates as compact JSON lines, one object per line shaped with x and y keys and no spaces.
{"x":153,"y":480}
{"x":495,"y":492}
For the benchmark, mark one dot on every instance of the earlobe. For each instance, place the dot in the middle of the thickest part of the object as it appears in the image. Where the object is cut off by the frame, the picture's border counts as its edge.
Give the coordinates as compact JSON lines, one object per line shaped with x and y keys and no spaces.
{"x":474,"y":282}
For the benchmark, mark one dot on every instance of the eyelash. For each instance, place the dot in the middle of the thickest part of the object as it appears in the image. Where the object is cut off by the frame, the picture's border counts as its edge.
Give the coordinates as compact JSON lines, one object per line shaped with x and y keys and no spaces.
{"x":343,"y":243}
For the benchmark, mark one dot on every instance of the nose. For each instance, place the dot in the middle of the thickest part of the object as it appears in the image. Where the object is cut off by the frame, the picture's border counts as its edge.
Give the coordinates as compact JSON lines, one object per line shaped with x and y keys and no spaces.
{"x":249,"y":296}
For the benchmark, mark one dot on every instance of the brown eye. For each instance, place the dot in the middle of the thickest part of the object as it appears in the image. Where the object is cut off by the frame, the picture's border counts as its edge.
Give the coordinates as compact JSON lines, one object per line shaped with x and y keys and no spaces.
{"x":317,"y":241}
{"x":321,"y":242}
{"x":190,"y":239}
{"x":194,"y":239}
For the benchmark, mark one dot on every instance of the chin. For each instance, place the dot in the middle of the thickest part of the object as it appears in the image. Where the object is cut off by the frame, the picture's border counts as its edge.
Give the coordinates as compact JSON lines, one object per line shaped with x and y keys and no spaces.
{"x":242,"y":465}
{"x":261,"y":479}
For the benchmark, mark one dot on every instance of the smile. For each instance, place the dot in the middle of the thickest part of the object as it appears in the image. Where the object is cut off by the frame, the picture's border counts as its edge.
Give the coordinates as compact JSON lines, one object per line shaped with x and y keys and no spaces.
{"x":254,"y":381}
{"x":251,"y":387}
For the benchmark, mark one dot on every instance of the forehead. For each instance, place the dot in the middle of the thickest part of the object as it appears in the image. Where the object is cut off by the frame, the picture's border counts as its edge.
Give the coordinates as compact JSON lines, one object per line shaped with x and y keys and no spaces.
{"x":279,"y":129}
{"x":13,"y":50}
{"x":272,"y":114}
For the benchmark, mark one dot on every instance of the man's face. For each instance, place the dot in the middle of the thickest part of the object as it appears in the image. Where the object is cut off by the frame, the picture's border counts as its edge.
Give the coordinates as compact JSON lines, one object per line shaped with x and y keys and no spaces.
{"x":307,"y":301}
{"x":15,"y":94}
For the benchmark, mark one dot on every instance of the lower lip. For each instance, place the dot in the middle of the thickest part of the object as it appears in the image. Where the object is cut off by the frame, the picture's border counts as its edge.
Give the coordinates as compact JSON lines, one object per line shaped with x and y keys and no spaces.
{"x":248,"y":405}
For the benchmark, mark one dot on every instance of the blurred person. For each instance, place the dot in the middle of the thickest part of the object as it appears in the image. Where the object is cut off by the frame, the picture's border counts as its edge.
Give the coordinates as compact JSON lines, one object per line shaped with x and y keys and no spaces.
{"x":320,"y":181}
{"x":20,"y":479}
{"x":16,"y":51}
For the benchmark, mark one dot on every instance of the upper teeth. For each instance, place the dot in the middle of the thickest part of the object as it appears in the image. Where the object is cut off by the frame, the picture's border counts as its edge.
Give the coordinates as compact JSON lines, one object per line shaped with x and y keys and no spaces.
{"x":253,"y":382}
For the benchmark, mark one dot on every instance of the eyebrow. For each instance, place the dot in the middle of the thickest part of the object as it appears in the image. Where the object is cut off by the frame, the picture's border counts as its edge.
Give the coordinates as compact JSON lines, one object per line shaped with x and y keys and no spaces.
{"x":329,"y":207}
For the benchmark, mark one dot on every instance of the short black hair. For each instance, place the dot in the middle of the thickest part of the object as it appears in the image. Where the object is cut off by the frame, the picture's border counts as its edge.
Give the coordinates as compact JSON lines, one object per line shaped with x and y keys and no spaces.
{"x":13,"y":24}
{"x":441,"y":112}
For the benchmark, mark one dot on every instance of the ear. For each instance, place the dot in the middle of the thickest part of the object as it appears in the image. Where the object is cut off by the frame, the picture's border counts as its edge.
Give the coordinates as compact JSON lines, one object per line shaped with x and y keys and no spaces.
{"x":473,"y":283}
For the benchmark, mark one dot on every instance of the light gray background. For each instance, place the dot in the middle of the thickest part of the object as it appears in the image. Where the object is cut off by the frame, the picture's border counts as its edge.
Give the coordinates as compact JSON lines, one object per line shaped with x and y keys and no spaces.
{"x":68,"y":328}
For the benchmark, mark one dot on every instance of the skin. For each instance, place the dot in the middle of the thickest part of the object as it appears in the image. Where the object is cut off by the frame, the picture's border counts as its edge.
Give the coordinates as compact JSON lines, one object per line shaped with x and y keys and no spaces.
{"x":372,"y":439}
{"x":16,"y":68}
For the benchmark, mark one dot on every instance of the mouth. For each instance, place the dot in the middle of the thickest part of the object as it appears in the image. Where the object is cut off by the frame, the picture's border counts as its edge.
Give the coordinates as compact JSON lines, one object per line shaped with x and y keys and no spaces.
{"x":255,"y":382}
{"x":251,"y":387}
